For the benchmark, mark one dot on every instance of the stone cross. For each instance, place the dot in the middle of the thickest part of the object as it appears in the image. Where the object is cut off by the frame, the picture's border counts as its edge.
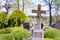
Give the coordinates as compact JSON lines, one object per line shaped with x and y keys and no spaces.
{"x":39,"y":12}
{"x":38,"y":32}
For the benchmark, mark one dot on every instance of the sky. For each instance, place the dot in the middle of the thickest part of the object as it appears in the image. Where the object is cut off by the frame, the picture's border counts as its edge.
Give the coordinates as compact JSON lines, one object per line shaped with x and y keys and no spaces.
{"x":43,"y":7}
{"x":28,"y":10}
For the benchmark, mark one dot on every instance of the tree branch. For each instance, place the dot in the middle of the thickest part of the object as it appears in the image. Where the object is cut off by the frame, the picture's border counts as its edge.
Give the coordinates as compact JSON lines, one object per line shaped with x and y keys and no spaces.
{"x":46,"y":2}
{"x":51,"y":2}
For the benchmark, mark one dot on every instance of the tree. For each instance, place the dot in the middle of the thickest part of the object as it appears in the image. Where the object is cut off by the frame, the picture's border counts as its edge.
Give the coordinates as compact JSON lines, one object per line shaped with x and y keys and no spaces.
{"x":49,"y":3}
{"x":18,"y":4}
{"x":23,"y":6}
{"x":57,"y":7}
{"x":26,"y":3}
{"x":6,"y":6}
{"x":56,"y":17}
{"x":57,"y":4}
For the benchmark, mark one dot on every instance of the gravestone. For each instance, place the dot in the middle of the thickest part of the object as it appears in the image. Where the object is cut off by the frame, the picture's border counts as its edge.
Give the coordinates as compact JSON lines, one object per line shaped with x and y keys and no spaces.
{"x":26,"y":25}
{"x":56,"y":25}
{"x":38,"y":33}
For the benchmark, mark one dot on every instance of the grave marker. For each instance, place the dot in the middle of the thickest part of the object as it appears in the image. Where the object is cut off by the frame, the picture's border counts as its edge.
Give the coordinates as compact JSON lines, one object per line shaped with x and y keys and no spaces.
{"x":38,"y":32}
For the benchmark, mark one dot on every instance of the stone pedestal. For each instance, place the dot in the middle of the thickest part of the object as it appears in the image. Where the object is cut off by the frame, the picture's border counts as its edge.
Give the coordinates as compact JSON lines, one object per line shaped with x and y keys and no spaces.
{"x":38,"y":35}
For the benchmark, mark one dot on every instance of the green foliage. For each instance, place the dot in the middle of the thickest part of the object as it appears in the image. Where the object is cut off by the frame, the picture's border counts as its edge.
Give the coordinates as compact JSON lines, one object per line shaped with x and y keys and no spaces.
{"x":9,"y":30}
{"x":6,"y":37}
{"x":5,"y":31}
{"x":52,"y":33}
{"x":56,"y":17}
{"x":57,"y":4}
{"x":21,"y":34}
{"x":17,"y":18}
{"x":15,"y":33}
{"x":18,"y":4}
{"x":3,"y":20}
{"x":57,"y":37}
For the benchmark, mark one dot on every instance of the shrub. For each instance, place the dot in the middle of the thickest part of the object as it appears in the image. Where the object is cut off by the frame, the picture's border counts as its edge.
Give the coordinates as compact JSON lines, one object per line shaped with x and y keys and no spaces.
{"x":57,"y":37}
{"x":6,"y":31}
{"x":3,"y":20}
{"x":20,"y":34}
{"x":17,"y":18}
{"x":51,"y":33}
{"x":6,"y":37}
{"x":9,"y":30}
{"x":15,"y":33}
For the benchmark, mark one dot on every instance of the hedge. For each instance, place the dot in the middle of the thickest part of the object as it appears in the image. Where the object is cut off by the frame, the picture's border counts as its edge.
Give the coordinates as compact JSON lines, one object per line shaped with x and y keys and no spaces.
{"x":3,"y":20}
{"x":15,"y":33}
{"x":52,"y":33}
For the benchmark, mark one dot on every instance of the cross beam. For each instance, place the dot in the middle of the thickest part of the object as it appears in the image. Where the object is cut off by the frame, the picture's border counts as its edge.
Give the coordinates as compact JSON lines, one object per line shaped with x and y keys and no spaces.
{"x":38,"y":11}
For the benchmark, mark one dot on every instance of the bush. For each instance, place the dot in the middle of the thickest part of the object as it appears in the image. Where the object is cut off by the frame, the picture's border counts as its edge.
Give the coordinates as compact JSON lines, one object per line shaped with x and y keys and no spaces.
{"x":9,"y":30}
{"x":51,"y":33}
{"x":17,"y":18}
{"x":6,"y":37}
{"x":20,"y":34}
{"x":57,"y":37}
{"x":5,"y":31}
{"x":3,"y":20}
{"x":15,"y":33}
{"x":48,"y":39}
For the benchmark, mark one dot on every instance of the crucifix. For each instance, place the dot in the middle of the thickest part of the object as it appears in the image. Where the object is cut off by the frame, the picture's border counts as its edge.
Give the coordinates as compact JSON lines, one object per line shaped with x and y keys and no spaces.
{"x":38,"y":33}
{"x":39,"y":12}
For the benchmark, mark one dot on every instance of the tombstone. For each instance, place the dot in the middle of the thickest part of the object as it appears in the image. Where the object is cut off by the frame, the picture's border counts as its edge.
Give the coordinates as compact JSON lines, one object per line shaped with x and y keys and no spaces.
{"x":38,"y":33}
{"x":57,"y":25}
{"x":26,"y":25}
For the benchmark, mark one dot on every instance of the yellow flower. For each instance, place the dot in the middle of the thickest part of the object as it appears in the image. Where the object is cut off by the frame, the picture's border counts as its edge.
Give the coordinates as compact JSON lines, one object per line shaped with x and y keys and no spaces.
{"x":48,"y":39}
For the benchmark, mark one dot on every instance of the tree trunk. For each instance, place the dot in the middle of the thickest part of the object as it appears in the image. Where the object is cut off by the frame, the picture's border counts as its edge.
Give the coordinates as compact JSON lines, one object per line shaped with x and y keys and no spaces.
{"x":50,"y":14}
{"x":18,"y":4}
{"x":23,"y":6}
